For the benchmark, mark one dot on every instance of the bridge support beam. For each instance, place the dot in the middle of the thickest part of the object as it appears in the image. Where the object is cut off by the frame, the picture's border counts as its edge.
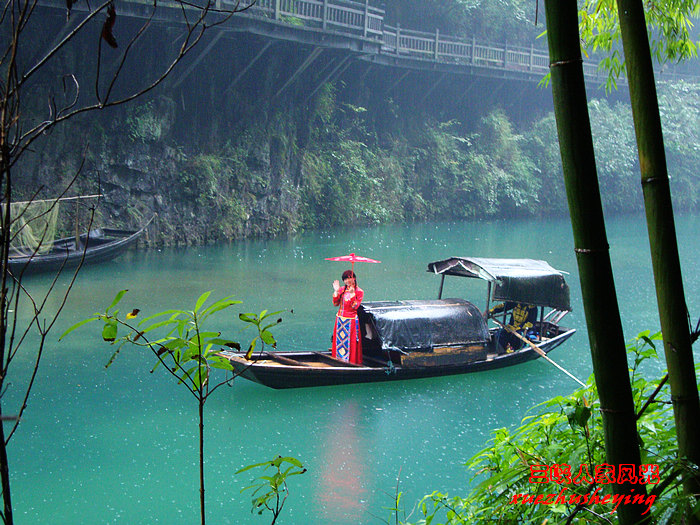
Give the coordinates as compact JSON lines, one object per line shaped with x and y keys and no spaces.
{"x":250,"y":64}
{"x":309,"y":60}
{"x":398,"y":81}
{"x":342,"y":66}
{"x":197,"y":60}
{"x":435,"y":84}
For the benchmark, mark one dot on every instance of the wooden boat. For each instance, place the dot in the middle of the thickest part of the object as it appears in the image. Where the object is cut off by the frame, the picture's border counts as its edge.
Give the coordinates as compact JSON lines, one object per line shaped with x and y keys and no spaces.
{"x":416,"y":339}
{"x":98,"y":245}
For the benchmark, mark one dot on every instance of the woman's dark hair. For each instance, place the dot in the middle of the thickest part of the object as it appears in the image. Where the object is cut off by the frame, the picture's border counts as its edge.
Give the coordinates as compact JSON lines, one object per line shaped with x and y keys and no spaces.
{"x":349,"y":273}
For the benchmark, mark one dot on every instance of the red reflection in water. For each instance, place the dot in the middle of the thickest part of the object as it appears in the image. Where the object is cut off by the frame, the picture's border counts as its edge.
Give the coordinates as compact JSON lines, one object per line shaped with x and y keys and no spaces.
{"x":341,"y":487}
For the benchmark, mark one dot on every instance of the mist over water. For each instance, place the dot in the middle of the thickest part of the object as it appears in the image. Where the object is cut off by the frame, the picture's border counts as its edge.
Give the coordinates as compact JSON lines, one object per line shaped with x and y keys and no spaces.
{"x":120,"y":445}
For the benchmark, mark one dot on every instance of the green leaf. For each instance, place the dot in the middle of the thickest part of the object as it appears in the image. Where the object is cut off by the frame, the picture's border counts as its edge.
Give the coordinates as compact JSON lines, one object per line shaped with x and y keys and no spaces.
{"x":160,"y":324}
{"x":78,"y":325}
{"x":173,"y":313}
{"x":251,"y":348}
{"x":202,"y":299}
{"x":649,"y":342}
{"x":203,"y":336}
{"x":267,"y":337}
{"x":278,"y":321}
{"x":199,"y":376}
{"x":269,"y":314}
{"x":255,"y":465}
{"x":116,"y":300}
{"x":218,"y":306}
{"x":293,"y":461}
{"x":222,"y":342}
{"x":221,"y":363}
{"x":109,"y":332}
{"x":114,"y":355}
{"x":248,"y":318}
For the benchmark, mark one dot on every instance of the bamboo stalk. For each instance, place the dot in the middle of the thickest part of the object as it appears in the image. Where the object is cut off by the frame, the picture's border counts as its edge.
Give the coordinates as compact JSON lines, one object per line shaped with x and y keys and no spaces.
{"x":670,"y":296}
{"x":608,"y":351}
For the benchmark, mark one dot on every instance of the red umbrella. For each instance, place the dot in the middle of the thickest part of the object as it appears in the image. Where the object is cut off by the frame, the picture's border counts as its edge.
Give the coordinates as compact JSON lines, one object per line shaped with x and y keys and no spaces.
{"x":352,"y":258}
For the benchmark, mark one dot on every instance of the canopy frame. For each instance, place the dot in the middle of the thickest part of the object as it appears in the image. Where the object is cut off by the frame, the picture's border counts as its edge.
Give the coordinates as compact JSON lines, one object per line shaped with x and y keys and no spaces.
{"x":528,"y":281}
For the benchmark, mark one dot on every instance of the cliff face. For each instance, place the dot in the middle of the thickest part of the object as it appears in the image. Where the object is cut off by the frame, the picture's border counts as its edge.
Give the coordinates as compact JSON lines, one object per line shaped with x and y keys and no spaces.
{"x":133,"y":157}
{"x":217,"y":162}
{"x":272,"y":173}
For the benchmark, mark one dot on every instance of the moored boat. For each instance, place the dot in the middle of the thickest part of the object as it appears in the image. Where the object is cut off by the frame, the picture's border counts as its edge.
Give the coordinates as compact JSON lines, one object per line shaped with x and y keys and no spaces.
{"x":34,"y":248}
{"x":428,"y":338}
{"x":98,"y":245}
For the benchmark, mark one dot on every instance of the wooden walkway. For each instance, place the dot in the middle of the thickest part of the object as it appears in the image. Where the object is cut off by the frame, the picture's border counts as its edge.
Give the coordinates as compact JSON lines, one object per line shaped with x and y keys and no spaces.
{"x":360,"y":29}
{"x":385,"y":44}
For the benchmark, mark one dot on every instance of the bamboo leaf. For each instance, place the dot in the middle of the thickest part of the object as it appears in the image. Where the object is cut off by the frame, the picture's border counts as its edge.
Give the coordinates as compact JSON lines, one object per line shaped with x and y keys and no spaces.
{"x":114,"y":355}
{"x":293,"y":461}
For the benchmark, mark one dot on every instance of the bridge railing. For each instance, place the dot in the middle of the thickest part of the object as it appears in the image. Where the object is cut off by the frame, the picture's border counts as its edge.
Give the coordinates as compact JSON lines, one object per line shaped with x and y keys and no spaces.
{"x":360,"y":19}
{"x":448,"y":49}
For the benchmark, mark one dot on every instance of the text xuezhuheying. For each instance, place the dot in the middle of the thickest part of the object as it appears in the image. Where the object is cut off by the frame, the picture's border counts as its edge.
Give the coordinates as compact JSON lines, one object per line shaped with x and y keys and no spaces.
{"x":585,"y":499}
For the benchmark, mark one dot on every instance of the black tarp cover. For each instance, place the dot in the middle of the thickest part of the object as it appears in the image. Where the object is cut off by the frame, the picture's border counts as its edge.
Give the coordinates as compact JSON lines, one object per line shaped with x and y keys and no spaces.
{"x":522,"y":280}
{"x":422,"y":325}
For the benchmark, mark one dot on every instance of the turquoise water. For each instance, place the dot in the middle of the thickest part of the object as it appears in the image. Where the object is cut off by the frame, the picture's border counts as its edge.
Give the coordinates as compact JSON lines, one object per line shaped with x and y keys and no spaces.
{"x":119,"y":445}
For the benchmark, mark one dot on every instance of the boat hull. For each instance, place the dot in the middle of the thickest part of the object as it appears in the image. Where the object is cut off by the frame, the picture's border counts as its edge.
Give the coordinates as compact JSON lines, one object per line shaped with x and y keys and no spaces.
{"x":102,"y":245}
{"x":277,"y":373}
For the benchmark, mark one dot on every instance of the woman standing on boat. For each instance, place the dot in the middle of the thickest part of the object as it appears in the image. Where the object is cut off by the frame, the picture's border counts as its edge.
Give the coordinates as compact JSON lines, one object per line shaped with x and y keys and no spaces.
{"x":347,"y":344}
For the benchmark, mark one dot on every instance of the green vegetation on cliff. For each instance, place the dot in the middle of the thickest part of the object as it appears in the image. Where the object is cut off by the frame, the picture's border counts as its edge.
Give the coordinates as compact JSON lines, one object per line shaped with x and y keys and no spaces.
{"x":367,"y":148}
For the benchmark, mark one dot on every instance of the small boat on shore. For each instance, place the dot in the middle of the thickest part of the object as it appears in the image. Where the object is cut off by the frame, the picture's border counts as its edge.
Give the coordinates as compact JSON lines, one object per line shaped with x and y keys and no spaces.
{"x":35,"y":249}
{"x":429,"y":338}
{"x":98,"y":245}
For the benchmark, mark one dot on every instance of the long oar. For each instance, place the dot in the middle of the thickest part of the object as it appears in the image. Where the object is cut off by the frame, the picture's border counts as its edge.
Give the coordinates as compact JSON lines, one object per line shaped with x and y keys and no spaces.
{"x":538,"y":350}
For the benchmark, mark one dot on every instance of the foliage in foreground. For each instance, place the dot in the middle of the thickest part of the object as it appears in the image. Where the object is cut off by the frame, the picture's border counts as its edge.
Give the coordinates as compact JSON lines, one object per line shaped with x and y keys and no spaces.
{"x":190,"y":354}
{"x":570,"y":433}
{"x":270,"y":492}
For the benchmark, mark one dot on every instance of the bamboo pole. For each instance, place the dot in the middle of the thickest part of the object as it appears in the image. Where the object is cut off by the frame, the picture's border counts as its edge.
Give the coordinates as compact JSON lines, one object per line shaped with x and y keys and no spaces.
{"x":670,"y":296}
{"x":605,"y":334}
{"x":538,"y":350}
{"x":61,"y":199}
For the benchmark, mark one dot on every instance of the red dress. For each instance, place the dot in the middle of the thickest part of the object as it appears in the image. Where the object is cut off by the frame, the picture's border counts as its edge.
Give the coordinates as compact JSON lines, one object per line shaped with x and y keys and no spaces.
{"x":347,"y":344}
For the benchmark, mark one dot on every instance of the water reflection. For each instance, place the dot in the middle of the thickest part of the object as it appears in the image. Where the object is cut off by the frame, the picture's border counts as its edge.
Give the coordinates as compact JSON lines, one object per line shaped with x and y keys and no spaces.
{"x":341,"y":487}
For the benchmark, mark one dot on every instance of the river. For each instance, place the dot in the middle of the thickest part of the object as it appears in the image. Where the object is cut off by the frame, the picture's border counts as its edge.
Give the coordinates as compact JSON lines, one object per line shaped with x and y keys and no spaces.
{"x":119,"y":445}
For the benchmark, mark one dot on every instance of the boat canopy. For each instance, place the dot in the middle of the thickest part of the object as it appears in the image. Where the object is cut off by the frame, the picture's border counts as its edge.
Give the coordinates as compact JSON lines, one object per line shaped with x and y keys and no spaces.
{"x":520,"y":280}
{"x":422,"y":325}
